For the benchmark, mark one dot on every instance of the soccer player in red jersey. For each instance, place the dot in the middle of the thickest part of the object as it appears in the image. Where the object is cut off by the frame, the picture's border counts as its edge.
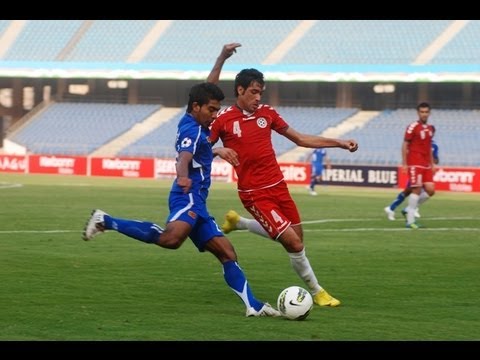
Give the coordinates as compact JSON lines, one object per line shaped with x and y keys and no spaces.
{"x":418,"y":161}
{"x":246,"y":127}
{"x":402,"y":195}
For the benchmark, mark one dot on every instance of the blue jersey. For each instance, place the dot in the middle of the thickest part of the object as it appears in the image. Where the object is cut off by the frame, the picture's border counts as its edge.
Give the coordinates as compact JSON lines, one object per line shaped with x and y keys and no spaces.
{"x":318,"y":157}
{"x":435,"y":150}
{"x":194,"y":138}
{"x":192,"y":207}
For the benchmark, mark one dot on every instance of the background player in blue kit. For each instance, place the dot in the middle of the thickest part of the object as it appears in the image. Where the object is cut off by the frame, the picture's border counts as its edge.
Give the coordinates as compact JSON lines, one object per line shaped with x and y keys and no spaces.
{"x":319,"y":160}
{"x":189,"y":216}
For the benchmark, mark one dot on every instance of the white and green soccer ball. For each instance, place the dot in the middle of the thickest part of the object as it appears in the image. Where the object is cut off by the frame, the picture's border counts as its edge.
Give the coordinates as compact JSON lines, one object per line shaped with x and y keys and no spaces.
{"x":295,"y":303}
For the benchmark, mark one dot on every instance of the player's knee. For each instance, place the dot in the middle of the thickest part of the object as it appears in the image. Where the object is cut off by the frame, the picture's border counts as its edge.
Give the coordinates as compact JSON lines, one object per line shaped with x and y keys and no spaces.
{"x":224,"y":255}
{"x":230,"y":256}
{"x":171,"y":245}
{"x":170,"y":242}
{"x":293,"y":246}
{"x":228,"y":252}
{"x":297,"y":247}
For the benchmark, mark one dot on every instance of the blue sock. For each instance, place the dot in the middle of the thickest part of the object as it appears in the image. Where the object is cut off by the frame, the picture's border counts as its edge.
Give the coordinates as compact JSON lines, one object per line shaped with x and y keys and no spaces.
{"x":397,"y":201}
{"x":312,"y":183}
{"x":141,"y":230}
{"x":237,"y":281}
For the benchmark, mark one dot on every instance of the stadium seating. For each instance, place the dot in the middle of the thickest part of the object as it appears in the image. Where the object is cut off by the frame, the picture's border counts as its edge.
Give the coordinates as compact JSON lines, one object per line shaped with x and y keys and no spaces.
{"x":381,"y":139}
{"x":310,"y":120}
{"x":364,"y":41}
{"x":461,"y":49}
{"x":158,"y":143}
{"x":31,"y":44}
{"x":95,"y":46}
{"x":78,"y":129}
{"x":69,"y":128}
{"x":334,"y":42}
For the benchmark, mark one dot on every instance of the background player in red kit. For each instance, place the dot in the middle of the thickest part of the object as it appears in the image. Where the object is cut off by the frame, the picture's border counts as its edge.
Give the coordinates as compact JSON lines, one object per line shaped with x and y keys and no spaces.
{"x":417,"y":159}
{"x":246,"y":127}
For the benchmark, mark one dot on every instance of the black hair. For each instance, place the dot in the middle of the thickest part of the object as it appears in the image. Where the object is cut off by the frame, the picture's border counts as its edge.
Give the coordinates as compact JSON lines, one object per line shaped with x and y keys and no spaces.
{"x":202,"y":93}
{"x":423,"y":105}
{"x":246,"y":77}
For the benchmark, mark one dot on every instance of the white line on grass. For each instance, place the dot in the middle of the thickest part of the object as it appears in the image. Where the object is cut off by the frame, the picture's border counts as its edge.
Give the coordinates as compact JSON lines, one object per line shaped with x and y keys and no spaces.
{"x":391,"y":229}
{"x":323,"y":221}
{"x":382,"y":219}
{"x":79,"y":184}
{"x":305,"y":230}
{"x":5,"y":185}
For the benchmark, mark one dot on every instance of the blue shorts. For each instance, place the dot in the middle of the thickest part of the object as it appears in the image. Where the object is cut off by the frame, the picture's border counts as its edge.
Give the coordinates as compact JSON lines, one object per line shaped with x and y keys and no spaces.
{"x":193,"y":210}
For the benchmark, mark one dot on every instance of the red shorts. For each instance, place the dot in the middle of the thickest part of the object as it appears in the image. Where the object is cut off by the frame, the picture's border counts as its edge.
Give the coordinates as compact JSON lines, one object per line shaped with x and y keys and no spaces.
{"x":272,"y":207}
{"x":419,"y":175}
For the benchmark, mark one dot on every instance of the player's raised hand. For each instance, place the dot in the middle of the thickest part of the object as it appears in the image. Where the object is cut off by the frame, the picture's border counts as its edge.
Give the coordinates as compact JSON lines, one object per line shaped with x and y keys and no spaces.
{"x":229,"y":49}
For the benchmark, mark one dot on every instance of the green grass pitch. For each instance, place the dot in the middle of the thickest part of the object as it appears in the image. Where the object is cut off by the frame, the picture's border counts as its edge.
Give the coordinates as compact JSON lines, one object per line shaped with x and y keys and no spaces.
{"x":394,"y":283}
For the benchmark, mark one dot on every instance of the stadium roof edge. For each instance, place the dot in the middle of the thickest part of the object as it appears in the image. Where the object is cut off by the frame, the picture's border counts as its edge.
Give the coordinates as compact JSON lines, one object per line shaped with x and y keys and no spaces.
{"x":328,"y":73}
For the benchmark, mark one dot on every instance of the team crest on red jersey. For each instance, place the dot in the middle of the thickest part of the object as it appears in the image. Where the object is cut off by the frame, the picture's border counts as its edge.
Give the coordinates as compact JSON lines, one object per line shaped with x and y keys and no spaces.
{"x":262,"y":122}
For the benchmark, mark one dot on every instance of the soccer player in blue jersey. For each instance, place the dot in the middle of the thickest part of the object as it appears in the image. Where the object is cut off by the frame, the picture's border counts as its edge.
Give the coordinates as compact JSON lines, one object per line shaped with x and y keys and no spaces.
{"x":189,"y":216}
{"x":319,"y":160}
{"x":390,"y":209}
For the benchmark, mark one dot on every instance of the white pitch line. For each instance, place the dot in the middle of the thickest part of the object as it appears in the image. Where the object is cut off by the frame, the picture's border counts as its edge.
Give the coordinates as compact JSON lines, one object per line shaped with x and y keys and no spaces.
{"x":79,"y":184}
{"x":323,"y":221}
{"x":391,"y":229}
{"x":383,"y":229}
{"x":4,"y":185}
{"x":305,"y":230}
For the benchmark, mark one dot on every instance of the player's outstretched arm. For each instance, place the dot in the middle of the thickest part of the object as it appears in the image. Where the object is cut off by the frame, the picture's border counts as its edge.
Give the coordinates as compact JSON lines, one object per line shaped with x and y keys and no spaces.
{"x":313,"y":141}
{"x":227,"y":51}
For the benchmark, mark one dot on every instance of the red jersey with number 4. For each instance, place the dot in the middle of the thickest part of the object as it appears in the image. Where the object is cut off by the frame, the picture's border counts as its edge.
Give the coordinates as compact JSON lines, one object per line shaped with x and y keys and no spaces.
{"x":419,"y":137}
{"x":250,"y":135}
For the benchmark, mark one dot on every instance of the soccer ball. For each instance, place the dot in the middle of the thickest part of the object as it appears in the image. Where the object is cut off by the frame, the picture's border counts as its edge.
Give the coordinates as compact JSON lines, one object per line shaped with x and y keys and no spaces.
{"x":295,"y":303}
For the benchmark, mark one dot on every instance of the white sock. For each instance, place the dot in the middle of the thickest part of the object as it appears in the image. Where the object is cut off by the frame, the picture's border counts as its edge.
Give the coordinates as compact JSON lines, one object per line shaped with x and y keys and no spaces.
{"x":302,"y":267}
{"x":412,"y":205}
{"x":423,"y":197}
{"x":253,"y":226}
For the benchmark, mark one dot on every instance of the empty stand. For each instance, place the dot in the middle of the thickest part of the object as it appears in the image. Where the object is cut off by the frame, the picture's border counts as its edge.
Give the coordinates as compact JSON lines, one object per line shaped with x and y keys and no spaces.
{"x":42,"y":40}
{"x":78,"y":129}
{"x":381,"y":139}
